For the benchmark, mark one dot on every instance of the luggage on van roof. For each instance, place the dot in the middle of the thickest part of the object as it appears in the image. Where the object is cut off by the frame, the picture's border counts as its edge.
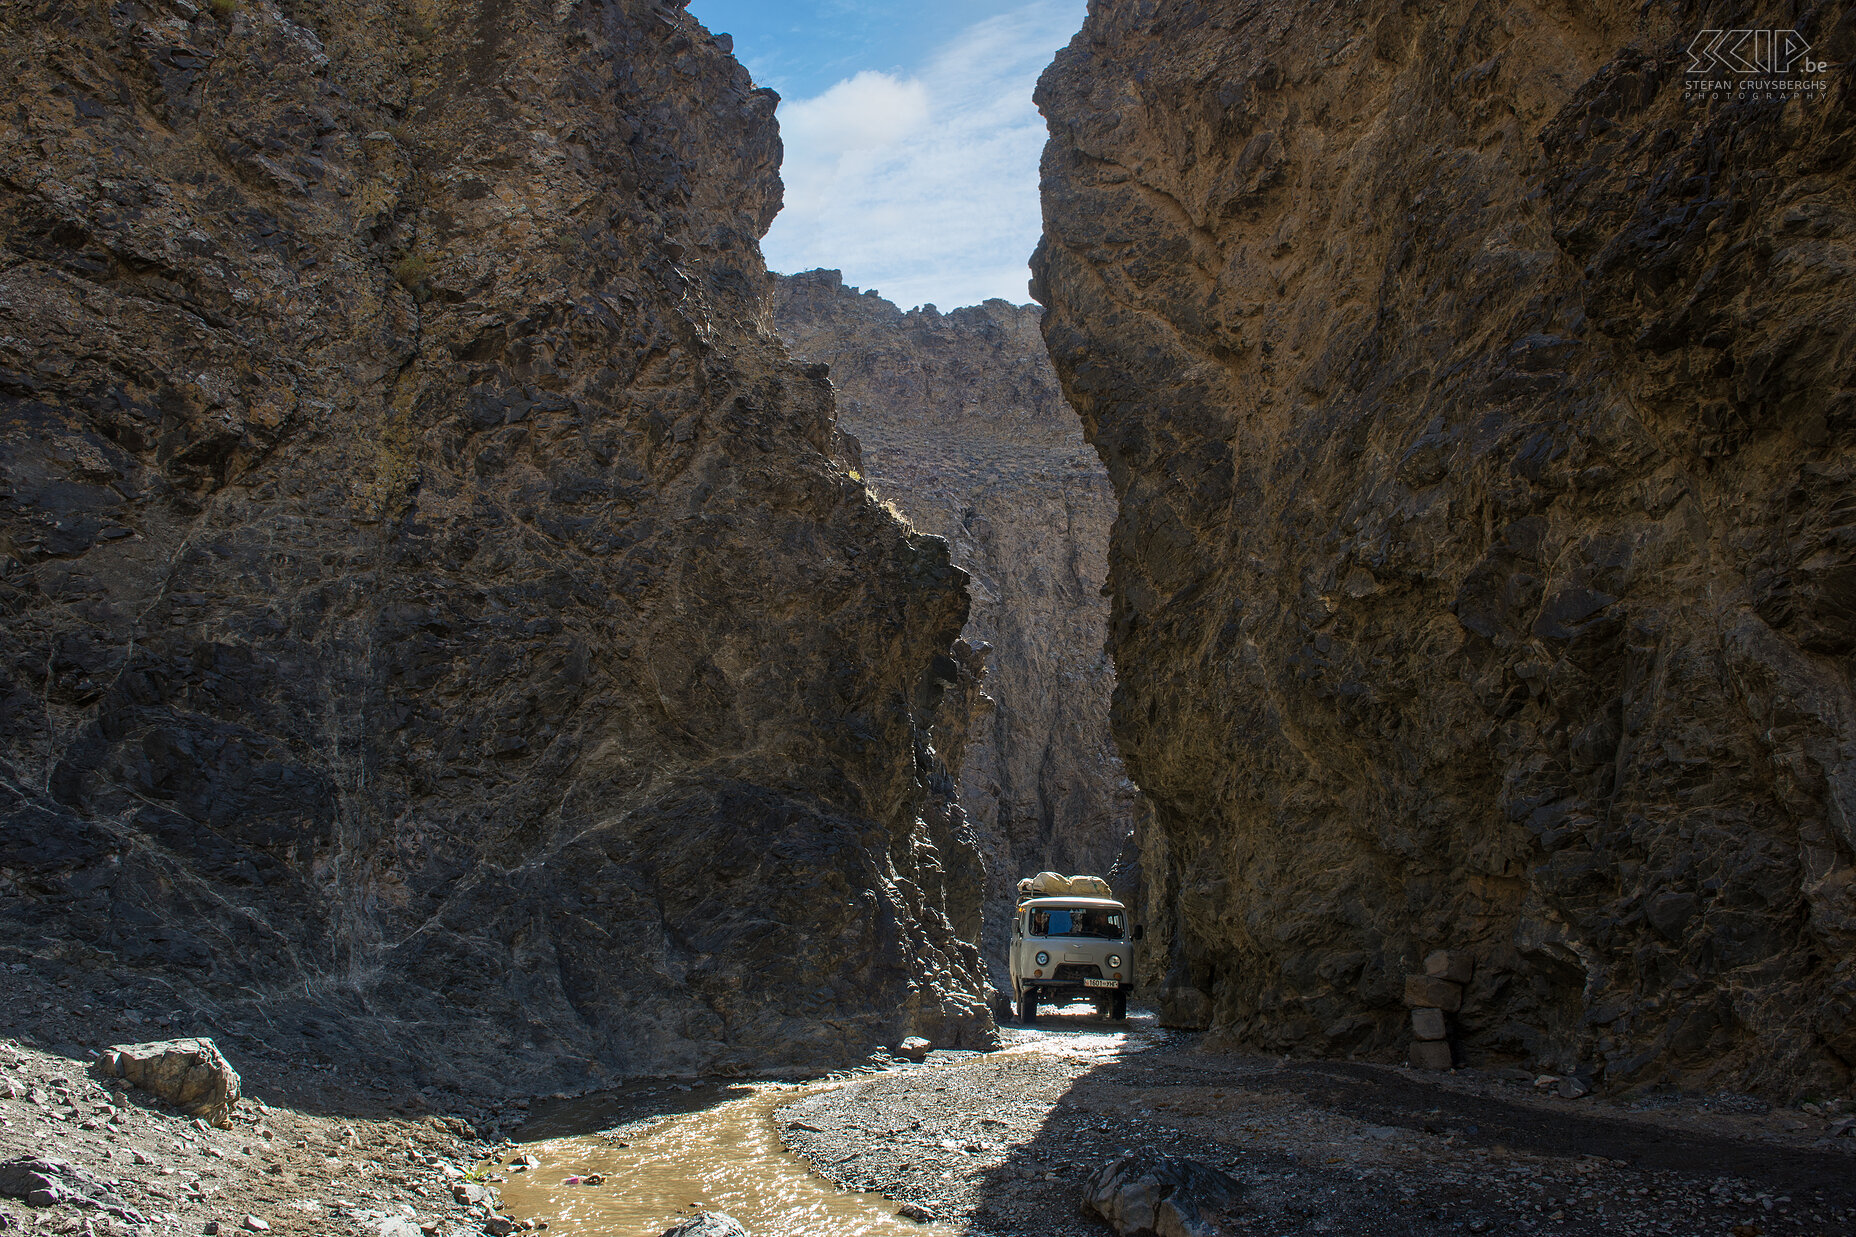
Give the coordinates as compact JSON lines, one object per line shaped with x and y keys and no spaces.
{"x":1057,"y":885}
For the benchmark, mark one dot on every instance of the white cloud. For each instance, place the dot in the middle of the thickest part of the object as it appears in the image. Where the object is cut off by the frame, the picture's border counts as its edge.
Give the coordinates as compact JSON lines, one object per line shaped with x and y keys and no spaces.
{"x":868,"y":112}
{"x":925,"y":188}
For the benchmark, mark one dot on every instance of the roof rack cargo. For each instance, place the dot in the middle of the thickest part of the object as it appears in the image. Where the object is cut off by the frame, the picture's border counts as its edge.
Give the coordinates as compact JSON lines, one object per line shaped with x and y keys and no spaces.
{"x":1057,"y":885}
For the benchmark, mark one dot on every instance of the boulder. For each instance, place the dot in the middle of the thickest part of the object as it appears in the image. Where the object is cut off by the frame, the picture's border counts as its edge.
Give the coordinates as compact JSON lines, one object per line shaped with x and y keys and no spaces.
{"x":473,"y":1194}
{"x":915,"y":1048}
{"x":187,"y":1073}
{"x":48,"y":1183}
{"x":1429,"y":1024}
{"x":1150,"y":1195}
{"x":708,"y":1224}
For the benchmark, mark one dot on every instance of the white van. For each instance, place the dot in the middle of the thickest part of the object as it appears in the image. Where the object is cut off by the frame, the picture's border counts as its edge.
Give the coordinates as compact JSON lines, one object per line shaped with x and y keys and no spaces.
{"x":1065,"y":947}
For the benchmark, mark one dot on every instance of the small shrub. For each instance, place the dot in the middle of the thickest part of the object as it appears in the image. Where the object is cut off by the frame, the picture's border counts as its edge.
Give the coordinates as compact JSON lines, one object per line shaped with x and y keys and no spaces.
{"x":223,"y":9}
{"x":410,"y":271}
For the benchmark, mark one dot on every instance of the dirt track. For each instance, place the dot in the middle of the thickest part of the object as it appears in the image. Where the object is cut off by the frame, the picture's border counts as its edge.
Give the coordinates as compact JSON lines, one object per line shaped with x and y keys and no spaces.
{"x":1003,"y":1143}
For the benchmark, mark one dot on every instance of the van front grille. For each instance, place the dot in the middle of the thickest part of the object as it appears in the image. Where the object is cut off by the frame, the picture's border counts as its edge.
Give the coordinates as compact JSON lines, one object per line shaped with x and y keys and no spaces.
{"x":1078,"y":970}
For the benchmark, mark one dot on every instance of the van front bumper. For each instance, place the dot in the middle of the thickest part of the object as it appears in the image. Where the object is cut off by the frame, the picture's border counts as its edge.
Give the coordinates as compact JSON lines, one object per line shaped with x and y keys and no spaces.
{"x":1077,"y":986}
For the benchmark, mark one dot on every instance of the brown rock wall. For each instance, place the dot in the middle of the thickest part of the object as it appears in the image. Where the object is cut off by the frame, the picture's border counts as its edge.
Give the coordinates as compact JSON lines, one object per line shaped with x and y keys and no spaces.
{"x":1480,"y":412}
{"x":434,"y":625}
{"x":960,"y":424}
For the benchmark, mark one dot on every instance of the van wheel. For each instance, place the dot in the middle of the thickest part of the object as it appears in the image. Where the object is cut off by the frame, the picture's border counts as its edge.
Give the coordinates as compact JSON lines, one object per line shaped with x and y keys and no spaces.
{"x":1119,"y":1007}
{"x":1028,"y":1007}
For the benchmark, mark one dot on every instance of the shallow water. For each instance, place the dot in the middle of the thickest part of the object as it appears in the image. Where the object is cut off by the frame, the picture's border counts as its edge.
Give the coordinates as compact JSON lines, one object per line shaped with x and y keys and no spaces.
{"x":722,"y":1158}
{"x":723,"y":1153}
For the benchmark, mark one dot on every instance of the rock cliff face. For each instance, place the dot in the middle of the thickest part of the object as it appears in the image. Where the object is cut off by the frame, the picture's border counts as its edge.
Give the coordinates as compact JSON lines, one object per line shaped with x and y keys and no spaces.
{"x":961,"y":425}
{"x":1481,"y":412}
{"x":434,"y":626}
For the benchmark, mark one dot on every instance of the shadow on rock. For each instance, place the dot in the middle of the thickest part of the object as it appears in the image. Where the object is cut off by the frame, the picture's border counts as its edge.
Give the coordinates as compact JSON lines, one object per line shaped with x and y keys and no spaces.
{"x":1162,"y":1196}
{"x":642,"y":1101}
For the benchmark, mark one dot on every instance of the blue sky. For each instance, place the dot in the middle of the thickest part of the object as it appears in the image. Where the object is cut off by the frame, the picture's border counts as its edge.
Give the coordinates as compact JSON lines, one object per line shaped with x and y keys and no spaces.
{"x":911,"y":140}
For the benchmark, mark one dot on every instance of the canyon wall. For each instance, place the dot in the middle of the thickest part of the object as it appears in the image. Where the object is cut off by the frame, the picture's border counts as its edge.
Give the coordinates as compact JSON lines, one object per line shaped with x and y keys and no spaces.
{"x":960,"y":424}
{"x":1481,"y":412}
{"x":437,"y":634}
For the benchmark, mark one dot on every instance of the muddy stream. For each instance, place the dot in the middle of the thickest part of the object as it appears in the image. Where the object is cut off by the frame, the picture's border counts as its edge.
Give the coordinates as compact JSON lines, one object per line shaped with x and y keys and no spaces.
{"x":726,"y":1157}
{"x":721,"y":1152}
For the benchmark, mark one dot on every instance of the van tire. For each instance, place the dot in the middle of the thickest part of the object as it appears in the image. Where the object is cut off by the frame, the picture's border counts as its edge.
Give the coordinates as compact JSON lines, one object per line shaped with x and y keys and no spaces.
{"x":1119,"y":1012}
{"x":1028,"y":1007}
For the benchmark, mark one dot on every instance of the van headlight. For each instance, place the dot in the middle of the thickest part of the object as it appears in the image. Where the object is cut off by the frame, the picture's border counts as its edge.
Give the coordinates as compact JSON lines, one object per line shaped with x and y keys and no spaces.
{"x":1114,"y":960}
{"x":1043,"y":958}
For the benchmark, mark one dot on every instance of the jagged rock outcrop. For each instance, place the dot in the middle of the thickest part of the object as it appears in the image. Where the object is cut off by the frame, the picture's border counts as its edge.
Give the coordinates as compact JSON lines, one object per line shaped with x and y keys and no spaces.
{"x":432,"y":618}
{"x":960,"y":424}
{"x":1480,"y":409}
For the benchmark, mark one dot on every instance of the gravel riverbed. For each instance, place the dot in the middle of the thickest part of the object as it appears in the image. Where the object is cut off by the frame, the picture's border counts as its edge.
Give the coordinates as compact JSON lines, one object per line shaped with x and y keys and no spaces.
{"x":1004,"y":1143}
{"x":999,"y":1143}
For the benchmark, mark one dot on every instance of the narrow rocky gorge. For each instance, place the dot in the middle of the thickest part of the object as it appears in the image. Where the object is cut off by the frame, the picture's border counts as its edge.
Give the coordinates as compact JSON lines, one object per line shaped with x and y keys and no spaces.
{"x":1480,"y":406}
{"x":440,"y":637}
{"x":957,"y":421}
{"x":555,"y":702}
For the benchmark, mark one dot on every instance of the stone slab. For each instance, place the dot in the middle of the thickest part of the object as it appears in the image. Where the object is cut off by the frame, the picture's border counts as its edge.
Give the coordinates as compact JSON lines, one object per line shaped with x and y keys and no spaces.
{"x":1424,"y":992}
{"x":1430,"y":1054}
{"x":1449,"y":964}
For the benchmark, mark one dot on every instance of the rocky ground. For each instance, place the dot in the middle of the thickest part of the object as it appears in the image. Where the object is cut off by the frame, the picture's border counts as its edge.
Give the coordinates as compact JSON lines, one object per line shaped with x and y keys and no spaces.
{"x":985,"y":1143}
{"x":1004,"y":1143}
{"x":271,"y":1168}
{"x":323,"y":1142}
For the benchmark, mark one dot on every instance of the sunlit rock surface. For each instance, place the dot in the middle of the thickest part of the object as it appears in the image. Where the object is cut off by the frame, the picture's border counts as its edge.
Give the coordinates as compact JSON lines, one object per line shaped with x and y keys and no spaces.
{"x":435,"y":629}
{"x":962,"y":427}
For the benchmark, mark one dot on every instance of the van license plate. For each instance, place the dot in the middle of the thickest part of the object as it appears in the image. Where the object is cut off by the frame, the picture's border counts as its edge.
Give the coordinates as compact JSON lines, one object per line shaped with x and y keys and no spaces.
{"x":1099,"y":983}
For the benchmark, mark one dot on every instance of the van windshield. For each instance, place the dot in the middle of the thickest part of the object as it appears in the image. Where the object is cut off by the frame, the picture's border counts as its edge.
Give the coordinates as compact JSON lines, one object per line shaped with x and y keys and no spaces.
{"x":1077,"y":921}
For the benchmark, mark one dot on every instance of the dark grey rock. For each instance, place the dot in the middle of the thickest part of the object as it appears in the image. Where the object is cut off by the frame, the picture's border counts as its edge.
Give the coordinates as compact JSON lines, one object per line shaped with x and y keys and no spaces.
{"x":708,"y":1224}
{"x":915,"y":1048}
{"x":49,"y":1183}
{"x":1151,"y":1195}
